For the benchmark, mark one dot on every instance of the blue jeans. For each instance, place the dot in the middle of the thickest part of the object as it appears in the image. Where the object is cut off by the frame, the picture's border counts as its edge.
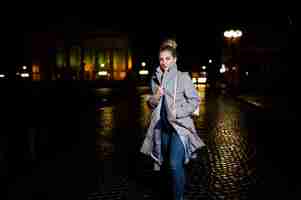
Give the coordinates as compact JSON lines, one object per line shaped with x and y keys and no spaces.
{"x":173,"y":161}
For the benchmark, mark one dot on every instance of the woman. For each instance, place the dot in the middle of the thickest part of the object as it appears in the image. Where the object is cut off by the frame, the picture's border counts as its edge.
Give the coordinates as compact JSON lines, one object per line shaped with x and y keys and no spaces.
{"x":171,"y":139}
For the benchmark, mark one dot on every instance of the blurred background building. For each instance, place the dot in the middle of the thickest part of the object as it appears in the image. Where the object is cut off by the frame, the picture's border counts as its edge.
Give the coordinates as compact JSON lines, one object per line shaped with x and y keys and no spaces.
{"x":92,"y":56}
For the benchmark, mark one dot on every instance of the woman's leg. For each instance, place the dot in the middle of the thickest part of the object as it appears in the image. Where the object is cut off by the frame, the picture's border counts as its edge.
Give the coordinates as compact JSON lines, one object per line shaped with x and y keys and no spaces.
{"x":177,"y":154}
{"x":165,"y":183}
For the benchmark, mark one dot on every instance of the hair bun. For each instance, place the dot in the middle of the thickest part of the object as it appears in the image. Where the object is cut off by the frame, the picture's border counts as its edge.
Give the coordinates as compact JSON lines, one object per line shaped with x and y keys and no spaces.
{"x":169,"y":43}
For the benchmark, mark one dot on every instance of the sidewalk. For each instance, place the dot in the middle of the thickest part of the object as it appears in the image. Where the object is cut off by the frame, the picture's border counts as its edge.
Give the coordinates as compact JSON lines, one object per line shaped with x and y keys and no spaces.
{"x":275,"y":102}
{"x":256,"y":100}
{"x":279,"y":143}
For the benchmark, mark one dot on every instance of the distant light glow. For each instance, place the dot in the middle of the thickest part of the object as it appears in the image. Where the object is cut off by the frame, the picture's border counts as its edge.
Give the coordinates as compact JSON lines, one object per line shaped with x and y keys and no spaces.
{"x":202,"y":80}
{"x":102,"y":65}
{"x":35,"y":68}
{"x":203,"y":67}
{"x":88,"y":67}
{"x":210,"y":61}
{"x":2,"y":75}
{"x":238,"y":33}
{"x":24,"y":67}
{"x":143,"y":72}
{"x":130,"y":62}
{"x":24,"y":74}
{"x":143,"y":64}
{"x":227,"y":34}
{"x":102,"y":73}
{"x":122,"y":75}
{"x":193,"y":80}
{"x":233,"y":34}
{"x":222,"y":69}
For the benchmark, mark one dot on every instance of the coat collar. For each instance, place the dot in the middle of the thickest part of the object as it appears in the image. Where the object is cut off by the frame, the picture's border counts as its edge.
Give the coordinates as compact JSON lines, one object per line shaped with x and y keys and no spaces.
{"x":169,"y":73}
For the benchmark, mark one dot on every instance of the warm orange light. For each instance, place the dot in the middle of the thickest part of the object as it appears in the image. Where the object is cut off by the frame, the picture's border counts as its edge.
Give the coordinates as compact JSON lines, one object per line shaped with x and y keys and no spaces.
{"x":35,"y":68}
{"x":36,"y":77}
{"x":88,"y":67}
{"x":130,"y":62}
{"x":122,"y":75}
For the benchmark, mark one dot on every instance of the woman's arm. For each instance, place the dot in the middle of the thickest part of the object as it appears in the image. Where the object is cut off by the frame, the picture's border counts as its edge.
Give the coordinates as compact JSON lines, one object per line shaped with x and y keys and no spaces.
{"x":154,"y":99}
{"x":192,"y":98}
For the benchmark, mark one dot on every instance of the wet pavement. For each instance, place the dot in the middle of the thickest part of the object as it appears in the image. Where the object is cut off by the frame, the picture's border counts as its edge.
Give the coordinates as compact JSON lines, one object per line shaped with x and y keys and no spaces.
{"x":237,"y":163}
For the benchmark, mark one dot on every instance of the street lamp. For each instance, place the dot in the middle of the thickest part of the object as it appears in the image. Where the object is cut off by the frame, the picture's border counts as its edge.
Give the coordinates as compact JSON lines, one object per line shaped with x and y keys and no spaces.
{"x":143,"y":71}
{"x":231,"y":56}
{"x":232,"y":34}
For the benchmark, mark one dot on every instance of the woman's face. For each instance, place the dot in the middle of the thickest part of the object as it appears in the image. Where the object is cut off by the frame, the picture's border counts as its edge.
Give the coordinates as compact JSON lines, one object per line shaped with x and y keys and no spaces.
{"x":166,"y":59}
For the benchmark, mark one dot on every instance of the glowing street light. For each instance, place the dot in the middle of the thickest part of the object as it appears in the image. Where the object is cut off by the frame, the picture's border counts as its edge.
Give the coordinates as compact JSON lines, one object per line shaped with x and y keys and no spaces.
{"x":222,"y":69}
{"x":233,"y":33}
{"x":24,"y":67}
{"x":210,"y":61}
{"x":202,"y":80}
{"x":102,"y":73}
{"x":203,"y":67}
{"x":238,"y":33}
{"x":25,"y":75}
{"x":143,"y":72}
{"x":102,"y":65}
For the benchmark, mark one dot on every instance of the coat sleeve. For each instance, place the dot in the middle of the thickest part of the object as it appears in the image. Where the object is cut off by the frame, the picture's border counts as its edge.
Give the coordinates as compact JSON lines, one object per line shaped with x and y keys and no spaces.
{"x":153,"y":100}
{"x":192,"y":98}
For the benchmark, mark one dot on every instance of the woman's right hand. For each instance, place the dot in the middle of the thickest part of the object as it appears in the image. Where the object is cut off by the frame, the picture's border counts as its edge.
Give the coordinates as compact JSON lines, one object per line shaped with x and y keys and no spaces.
{"x":159,"y":92}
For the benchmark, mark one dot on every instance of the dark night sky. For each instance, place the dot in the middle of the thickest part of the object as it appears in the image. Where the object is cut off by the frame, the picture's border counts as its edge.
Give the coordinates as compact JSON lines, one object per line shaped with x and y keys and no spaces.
{"x":196,"y":30}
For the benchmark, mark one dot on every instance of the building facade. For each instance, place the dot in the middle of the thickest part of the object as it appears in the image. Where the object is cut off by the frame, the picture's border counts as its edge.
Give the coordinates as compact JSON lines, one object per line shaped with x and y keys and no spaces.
{"x":90,"y":56}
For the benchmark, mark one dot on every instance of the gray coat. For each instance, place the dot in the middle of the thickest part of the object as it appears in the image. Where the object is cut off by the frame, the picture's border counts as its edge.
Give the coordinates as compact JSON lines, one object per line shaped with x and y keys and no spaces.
{"x":179,"y":114}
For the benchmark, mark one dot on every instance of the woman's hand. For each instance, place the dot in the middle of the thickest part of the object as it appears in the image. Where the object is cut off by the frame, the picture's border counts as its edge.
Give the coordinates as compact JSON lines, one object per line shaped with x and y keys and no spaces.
{"x":159,"y":92}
